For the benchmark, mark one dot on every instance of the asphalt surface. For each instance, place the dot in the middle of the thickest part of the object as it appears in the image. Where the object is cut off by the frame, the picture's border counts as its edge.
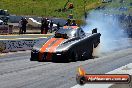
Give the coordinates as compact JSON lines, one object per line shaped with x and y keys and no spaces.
{"x":17,"y":71}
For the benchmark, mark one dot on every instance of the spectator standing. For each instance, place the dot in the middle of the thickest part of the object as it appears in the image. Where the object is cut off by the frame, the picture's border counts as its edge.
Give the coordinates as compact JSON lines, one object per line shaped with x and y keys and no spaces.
{"x":68,"y":23}
{"x":24,"y":23}
{"x":42,"y":25}
{"x":129,"y":17}
{"x":73,"y":23}
{"x":51,"y":26}
{"x":20,"y":26}
{"x":46,"y":26}
{"x":58,"y":26}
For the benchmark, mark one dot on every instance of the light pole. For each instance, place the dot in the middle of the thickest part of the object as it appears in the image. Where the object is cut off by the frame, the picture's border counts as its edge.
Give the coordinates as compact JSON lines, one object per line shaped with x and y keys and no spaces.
{"x":85,"y":13}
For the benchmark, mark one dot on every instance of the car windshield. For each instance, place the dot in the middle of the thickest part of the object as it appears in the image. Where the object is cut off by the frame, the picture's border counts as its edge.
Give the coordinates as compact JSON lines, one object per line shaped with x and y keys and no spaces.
{"x":69,"y":32}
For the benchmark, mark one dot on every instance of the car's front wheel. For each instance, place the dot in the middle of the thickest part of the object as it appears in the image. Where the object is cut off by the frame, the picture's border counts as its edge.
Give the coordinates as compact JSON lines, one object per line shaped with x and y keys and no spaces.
{"x":31,"y":59}
{"x":75,"y":56}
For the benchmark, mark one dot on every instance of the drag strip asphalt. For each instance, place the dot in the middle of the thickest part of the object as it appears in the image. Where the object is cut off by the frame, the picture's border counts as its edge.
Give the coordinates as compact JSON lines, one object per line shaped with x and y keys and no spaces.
{"x":17,"y":71}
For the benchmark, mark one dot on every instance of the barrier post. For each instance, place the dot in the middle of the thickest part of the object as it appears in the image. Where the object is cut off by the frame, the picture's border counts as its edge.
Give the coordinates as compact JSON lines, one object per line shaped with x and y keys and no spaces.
{"x":10,"y":28}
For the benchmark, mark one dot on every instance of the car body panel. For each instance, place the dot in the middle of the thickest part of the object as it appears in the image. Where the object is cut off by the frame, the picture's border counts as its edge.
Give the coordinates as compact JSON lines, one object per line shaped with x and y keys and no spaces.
{"x":63,"y":45}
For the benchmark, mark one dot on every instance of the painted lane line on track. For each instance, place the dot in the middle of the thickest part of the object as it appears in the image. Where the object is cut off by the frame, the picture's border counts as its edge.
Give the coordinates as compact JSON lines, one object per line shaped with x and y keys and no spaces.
{"x":127,"y":69}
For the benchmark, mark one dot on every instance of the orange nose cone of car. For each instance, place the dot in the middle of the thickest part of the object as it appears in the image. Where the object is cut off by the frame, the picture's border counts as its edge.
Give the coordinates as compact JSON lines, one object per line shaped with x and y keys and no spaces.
{"x":51,"y":49}
{"x":44,"y":47}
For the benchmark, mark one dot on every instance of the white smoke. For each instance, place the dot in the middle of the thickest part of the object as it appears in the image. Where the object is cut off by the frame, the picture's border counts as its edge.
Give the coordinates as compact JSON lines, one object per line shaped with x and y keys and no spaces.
{"x":111,"y":33}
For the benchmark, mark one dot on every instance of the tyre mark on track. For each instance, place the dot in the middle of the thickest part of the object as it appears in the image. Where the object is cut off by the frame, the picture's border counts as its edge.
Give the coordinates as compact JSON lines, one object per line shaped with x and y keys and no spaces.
{"x":21,"y":69}
{"x":13,"y":59}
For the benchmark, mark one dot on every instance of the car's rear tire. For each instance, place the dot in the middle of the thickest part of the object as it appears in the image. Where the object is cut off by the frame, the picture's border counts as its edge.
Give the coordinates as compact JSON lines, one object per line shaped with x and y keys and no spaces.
{"x":97,"y":43}
{"x":84,"y":56}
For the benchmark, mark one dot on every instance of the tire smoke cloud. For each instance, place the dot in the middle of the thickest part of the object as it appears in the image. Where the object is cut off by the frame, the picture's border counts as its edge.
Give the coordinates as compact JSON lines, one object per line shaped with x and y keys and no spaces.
{"x":112,"y":35}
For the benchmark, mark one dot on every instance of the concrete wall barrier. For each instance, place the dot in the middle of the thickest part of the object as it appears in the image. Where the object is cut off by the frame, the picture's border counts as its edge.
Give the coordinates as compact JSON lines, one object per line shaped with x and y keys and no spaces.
{"x":16,"y":45}
{"x":2,"y":46}
{"x":6,"y":29}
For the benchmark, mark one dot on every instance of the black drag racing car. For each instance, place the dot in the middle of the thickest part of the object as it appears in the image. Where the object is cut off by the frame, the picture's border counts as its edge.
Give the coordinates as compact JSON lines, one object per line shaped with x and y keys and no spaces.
{"x":69,"y":43}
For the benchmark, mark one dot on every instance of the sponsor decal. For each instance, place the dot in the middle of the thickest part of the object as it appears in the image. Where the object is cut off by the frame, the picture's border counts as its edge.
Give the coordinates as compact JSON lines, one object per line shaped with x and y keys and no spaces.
{"x":82,"y":77}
